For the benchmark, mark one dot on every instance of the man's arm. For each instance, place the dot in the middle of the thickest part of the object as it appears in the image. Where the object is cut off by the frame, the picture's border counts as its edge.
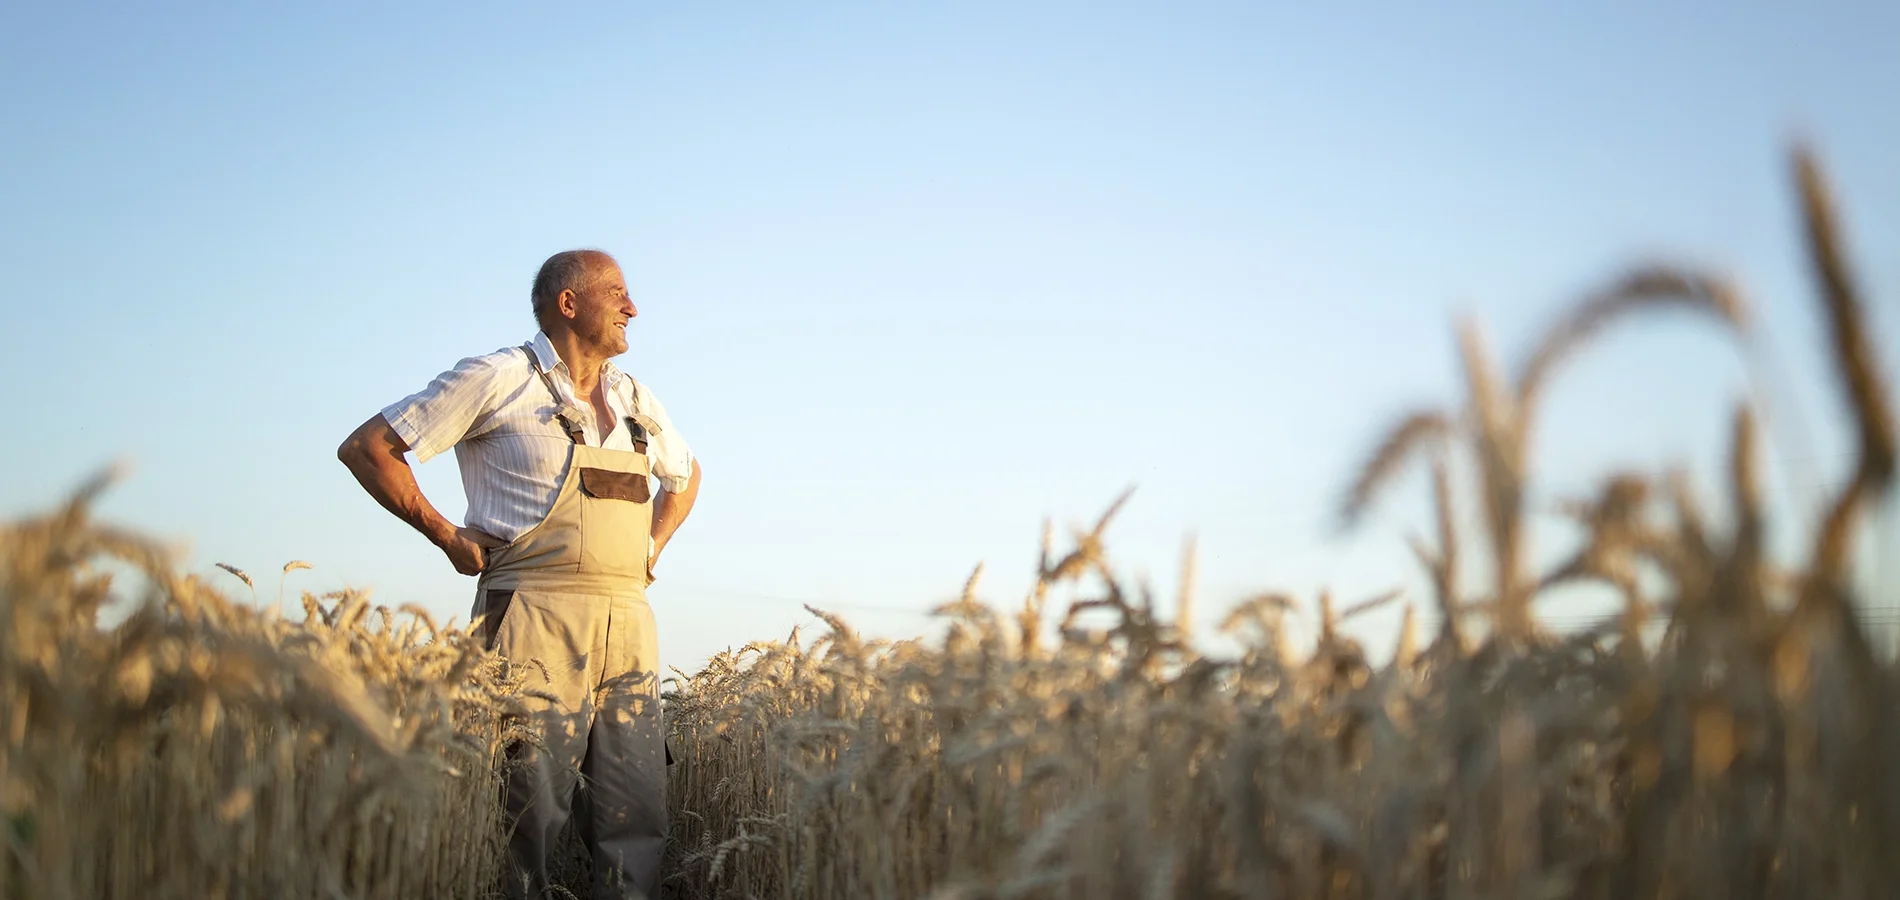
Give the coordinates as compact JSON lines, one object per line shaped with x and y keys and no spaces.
{"x":374,"y":454}
{"x":669,"y":512}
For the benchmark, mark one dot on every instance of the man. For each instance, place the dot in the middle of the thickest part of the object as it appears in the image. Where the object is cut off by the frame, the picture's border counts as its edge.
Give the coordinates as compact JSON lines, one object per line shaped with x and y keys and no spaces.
{"x":576,"y":481}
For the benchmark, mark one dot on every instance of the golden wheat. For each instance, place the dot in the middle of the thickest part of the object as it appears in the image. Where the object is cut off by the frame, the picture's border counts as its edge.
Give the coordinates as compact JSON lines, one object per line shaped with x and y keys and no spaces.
{"x":201,"y":748}
{"x":1747,"y":754}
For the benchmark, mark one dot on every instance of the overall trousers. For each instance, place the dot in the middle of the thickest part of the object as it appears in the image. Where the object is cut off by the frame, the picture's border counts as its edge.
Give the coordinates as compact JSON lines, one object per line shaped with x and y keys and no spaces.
{"x":569,"y":596}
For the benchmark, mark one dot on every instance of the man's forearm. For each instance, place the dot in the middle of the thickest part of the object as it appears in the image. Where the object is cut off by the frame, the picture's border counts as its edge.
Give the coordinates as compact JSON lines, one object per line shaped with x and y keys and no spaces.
{"x":671,"y":509}
{"x":374,"y":454}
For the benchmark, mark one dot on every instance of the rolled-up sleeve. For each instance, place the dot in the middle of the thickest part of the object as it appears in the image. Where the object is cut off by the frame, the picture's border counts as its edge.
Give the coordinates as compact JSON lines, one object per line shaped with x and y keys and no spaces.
{"x":441,"y":415}
{"x":672,"y":458}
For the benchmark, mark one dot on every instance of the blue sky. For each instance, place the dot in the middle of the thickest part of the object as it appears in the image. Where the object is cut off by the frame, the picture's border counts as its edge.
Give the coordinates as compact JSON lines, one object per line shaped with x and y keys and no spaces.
{"x":910,"y":280}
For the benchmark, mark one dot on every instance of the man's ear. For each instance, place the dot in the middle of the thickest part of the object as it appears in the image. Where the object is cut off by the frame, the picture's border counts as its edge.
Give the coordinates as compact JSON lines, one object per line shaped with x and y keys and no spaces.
{"x":568,"y":303}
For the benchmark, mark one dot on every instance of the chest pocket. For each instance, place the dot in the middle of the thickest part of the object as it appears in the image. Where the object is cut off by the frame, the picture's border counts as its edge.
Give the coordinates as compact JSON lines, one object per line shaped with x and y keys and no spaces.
{"x":615,"y":521}
{"x":607,"y":484}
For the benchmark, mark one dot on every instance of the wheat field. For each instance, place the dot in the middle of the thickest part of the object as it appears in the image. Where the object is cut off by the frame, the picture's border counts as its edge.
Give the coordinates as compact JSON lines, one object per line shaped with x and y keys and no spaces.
{"x":208,"y":748}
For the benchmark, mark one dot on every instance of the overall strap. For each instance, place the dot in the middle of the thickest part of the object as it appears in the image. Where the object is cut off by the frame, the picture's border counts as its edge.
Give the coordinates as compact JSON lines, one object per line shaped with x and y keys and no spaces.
{"x":571,"y":426}
{"x":634,"y":428}
{"x":639,"y":434}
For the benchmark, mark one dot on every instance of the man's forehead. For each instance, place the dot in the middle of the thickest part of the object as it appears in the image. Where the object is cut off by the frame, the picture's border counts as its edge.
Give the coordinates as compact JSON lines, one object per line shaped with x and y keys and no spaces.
{"x":603,"y":266}
{"x":602,"y":269}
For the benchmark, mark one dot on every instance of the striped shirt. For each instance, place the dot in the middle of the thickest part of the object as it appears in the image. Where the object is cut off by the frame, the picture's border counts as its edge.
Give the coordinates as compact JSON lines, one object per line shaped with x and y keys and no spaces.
{"x":496,"y":412}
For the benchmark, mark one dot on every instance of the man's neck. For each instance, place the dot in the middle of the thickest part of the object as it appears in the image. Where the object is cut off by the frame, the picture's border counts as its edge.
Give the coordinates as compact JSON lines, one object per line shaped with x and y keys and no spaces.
{"x":583,"y":367}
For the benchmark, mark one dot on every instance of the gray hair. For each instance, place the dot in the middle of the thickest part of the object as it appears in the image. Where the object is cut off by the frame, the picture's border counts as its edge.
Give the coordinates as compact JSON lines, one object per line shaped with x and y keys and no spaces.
{"x":567,"y":270}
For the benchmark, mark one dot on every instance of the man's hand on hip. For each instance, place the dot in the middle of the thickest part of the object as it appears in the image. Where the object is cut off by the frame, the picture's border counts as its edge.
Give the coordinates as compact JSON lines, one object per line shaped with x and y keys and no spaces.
{"x":374,"y":454}
{"x":669,"y":510}
{"x":467,"y":549}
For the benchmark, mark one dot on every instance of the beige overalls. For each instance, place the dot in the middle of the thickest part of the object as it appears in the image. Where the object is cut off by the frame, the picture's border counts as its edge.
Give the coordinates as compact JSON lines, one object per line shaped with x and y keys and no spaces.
{"x":570,"y":593}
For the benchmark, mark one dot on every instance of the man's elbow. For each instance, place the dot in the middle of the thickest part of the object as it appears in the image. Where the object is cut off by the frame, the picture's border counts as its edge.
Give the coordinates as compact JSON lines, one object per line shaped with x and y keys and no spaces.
{"x":359,"y":448}
{"x":354,"y":448}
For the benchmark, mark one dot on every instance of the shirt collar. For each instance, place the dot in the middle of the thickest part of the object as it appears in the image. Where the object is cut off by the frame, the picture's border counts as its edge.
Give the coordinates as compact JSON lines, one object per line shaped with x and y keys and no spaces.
{"x":544,"y":354}
{"x":551,"y":361}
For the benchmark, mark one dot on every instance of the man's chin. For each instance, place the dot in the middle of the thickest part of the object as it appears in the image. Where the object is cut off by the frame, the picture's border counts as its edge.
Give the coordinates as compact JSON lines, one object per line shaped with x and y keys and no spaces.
{"x":612,"y":345}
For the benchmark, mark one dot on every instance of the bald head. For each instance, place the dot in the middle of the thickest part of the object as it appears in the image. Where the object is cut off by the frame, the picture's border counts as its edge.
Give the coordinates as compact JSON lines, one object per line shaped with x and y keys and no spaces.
{"x":568,"y":270}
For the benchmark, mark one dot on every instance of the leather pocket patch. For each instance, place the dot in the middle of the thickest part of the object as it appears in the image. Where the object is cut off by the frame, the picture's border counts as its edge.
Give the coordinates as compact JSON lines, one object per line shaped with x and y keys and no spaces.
{"x":607,"y":484}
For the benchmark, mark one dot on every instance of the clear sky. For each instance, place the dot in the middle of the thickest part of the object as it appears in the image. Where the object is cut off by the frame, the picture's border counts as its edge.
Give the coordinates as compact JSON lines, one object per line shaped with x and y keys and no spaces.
{"x":909,"y":279}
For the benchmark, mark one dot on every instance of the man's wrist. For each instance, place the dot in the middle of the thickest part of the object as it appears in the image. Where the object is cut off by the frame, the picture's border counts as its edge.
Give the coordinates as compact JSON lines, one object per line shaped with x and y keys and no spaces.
{"x":439,"y":531}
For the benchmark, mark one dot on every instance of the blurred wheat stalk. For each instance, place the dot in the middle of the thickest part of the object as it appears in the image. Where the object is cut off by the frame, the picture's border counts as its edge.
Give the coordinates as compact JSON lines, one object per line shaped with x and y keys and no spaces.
{"x":204,"y":749}
{"x":1749,"y":753}
{"x":207,"y":749}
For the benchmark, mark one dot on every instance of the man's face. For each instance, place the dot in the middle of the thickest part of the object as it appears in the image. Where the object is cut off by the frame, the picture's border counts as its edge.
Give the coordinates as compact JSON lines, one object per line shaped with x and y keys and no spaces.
{"x":602,"y":311}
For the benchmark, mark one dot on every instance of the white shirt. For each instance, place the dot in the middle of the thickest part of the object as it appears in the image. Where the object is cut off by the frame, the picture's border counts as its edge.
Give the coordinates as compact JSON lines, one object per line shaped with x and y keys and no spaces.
{"x":497,"y":414}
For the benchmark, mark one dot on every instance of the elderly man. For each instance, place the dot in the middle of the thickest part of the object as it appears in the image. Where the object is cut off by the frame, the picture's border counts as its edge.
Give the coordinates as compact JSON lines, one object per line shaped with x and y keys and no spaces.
{"x":576,"y":481}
